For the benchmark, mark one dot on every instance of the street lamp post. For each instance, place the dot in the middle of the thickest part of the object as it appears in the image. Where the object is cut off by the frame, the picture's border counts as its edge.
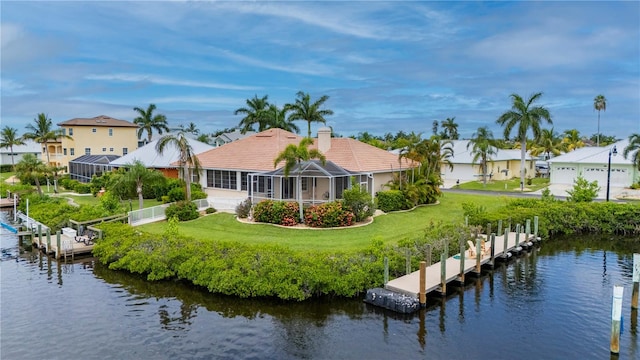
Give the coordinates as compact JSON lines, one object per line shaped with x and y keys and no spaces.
{"x":613,"y":151}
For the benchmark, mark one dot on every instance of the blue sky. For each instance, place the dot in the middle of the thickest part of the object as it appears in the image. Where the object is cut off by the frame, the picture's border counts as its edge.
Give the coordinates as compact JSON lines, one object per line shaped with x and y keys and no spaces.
{"x":386,"y":66}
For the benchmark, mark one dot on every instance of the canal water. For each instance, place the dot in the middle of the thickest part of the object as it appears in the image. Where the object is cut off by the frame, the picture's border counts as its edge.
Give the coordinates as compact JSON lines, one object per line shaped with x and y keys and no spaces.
{"x":554,"y":303}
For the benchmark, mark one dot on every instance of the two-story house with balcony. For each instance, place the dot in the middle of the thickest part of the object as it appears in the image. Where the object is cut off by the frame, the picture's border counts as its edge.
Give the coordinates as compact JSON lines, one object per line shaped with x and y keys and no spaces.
{"x":101,"y":135}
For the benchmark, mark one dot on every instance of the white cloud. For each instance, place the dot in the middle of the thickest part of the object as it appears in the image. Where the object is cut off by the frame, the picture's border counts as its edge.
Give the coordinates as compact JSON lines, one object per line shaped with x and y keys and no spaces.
{"x":159,"y":80}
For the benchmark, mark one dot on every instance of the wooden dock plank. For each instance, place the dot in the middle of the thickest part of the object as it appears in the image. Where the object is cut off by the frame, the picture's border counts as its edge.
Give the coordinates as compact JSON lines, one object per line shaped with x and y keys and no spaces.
{"x":76,"y":248}
{"x":410,"y":283}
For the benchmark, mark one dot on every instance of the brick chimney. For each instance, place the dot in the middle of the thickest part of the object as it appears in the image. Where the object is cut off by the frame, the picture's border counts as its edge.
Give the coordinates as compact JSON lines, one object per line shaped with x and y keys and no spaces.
{"x":324,"y":139}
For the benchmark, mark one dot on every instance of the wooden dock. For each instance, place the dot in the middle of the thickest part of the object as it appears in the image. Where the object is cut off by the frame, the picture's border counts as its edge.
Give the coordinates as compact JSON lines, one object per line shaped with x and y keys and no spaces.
{"x":5,"y":202}
{"x":66,"y":247}
{"x":410,"y":283}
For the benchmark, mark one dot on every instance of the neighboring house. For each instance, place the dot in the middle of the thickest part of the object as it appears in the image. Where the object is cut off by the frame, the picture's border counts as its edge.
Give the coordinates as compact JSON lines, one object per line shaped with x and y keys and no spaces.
{"x":593,"y":164}
{"x":229,"y":169}
{"x":30,"y":147}
{"x":505,"y":164}
{"x":230,"y":137}
{"x":101,"y":135}
{"x":153,"y":160}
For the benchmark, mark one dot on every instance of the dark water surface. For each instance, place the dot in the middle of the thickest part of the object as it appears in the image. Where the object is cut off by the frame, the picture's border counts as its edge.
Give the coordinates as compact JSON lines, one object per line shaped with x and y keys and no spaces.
{"x":552,"y":304}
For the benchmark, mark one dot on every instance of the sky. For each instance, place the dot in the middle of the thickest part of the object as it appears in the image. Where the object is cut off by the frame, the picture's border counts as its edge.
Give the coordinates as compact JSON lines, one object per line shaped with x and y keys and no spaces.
{"x":385,"y":65}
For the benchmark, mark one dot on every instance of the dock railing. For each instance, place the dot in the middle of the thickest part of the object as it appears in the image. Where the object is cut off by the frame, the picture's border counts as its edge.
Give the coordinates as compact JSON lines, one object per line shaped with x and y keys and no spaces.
{"x":30,"y":223}
{"x":157,"y":213}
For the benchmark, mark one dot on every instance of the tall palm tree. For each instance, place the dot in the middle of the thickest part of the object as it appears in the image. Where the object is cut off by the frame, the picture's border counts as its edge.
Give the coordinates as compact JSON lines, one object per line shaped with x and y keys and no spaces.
{"x":548,"y":143}
{"x":254,"y":114}
{"x":278,"y":119}
{"x":524,"y":115}
{"x":137,"y":175}
{"x":572,"y":140}
{"x":8,"y":139}
{"x":599,"y":103}
{"x":148,"y":122}
{"x":188,"y":160}
{"x":450,"y":129}
{"x":31,"y":167}
{"x":634,"y":145}
{"x":303,"y":109}
{"x":293,"y":156}
{"x":41,"y":131}
{"x":483,"y":148}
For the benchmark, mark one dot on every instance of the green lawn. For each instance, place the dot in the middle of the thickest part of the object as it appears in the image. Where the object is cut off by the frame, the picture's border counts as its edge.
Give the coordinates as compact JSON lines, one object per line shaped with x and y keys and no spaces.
{"x":505,"y":185}
{"x":5,"y":175}
{"x":92,"y":200}
{"x":390,"y":228}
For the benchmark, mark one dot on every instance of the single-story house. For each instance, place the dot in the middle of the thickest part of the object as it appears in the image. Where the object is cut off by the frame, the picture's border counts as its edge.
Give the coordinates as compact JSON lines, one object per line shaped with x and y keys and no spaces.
{"x":29,"y":147}
{"x":504,"y":165}
{"x":245,"y":168}
{"x":593,"y":164}
{"x":230,"y":137}
{"x":148,"y":155}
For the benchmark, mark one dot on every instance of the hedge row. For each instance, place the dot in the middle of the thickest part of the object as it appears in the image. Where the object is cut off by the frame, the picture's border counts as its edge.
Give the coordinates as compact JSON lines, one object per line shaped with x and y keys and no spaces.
{"x":240,"y":269}
{"x":562,"y":217}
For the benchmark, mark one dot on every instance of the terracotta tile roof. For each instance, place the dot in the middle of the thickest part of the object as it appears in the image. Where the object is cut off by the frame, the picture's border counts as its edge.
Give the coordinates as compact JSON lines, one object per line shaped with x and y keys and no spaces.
{"x":257,"y":152}
{"x":101,"y":120}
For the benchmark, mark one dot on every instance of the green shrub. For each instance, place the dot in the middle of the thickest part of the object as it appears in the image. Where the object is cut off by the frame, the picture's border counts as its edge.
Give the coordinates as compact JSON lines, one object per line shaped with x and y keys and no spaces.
{"x":183,"y":210}
{"x":243,"y":209}
{"x":359,"y":202}
{"x":583,"y":190}
{"x":276,"y":212}
{"x":210,"y":210}
{"x":176,"y":194}
{"x":392,"y":200}
{"x":327,"y":215}
{"x":82,"y":188}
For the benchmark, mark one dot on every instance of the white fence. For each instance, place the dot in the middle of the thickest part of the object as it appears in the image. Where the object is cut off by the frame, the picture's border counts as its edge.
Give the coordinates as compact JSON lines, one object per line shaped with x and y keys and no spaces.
{"x":156,"y":213}
{"x":31,"y":223}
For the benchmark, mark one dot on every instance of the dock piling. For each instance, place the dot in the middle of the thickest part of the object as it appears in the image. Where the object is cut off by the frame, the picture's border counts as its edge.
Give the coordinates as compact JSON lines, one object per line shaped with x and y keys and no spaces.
{"x":535,"y":227}
{"x":423,"y":283}
{"x":443,"y":273}
{"x":616,"y":316}
{"x":636,"y":281}
{"x":493,"y":250}
{"x":506,"y":243}
{"x":478,"y":256}
{"x":462,"y":256}
{"x":500,"y":227}
{"x":48,"y":240}
{"x":58,"y":244}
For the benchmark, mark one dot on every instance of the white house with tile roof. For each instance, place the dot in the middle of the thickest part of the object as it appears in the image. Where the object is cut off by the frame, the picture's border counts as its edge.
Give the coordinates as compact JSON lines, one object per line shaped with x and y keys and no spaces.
{"x":227,"y":168}
{"x":592,"y":163}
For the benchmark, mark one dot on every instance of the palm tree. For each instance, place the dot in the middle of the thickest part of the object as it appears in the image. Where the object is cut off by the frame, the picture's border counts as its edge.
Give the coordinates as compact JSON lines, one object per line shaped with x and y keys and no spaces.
{"x":149,"y":122}
{"x":293,"y":156}
{"x":450,"y":129}
{"x":278,"y":119}
{"x":572,"y":140}
{"x":548,"y":143}
{"x":8,"y":139}
{"x":303,"y":109}
{"x":137,"y":175}
{"x":599,"y":103}
{"x":191,"y":128}
{"x":482,"y":148}
{"x":188,"y":161}
{"x":42,"y":132}
{"x":524,"y":116}
{"x":634,"y":145}
{"x":31,"y":167}
{"x":254,"y":114}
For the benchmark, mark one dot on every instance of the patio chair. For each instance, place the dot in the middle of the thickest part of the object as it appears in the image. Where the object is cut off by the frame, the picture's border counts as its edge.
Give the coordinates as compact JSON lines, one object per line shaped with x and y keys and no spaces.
{"x":472,"y":249}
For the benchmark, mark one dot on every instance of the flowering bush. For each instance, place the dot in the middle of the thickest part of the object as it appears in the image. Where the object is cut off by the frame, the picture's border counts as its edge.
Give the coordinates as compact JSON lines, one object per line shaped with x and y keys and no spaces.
{"x":276,"y":212}
{"x":329,"y":214}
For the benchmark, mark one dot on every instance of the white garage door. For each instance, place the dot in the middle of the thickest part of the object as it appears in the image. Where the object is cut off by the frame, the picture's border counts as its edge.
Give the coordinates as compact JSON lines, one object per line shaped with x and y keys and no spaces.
{"x":619,"y":177}
{"x":561,"y":174}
